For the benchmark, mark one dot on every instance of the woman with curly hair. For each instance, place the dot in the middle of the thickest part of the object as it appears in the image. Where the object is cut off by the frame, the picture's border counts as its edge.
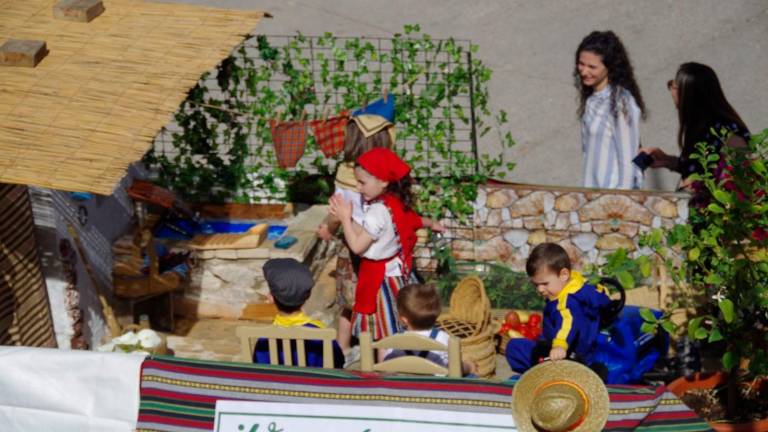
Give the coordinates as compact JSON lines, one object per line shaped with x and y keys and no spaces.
{"x":610,"y":108}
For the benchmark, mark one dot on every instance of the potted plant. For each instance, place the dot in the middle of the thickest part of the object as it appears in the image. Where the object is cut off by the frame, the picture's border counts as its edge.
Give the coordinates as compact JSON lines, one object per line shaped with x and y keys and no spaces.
{"x":721,"y":259}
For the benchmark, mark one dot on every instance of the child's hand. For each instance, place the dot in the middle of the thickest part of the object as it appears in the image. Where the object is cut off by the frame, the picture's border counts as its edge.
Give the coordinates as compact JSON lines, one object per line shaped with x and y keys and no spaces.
{"x":556,"y":353}
{"x":437,"y":226}
{"x":340,"y":208}
{"x":323,"y":232}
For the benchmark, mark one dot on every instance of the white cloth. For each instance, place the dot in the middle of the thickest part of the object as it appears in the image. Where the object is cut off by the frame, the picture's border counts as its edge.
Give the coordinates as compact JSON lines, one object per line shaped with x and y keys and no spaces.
{"x":377,"y":222}
{"x":609,"y":143}
{"x":438,"y":357}
{"x":357,"y":203}
{"x":46,"y":389}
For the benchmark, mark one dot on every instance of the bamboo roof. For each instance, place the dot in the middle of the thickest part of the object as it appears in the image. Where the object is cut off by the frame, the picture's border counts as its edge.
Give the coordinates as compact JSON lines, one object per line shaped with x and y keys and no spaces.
{"x":95,"y":103}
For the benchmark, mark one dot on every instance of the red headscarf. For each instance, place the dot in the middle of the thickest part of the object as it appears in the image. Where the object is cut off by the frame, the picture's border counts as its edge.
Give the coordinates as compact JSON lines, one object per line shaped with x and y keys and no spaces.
{"x":383,"y":164}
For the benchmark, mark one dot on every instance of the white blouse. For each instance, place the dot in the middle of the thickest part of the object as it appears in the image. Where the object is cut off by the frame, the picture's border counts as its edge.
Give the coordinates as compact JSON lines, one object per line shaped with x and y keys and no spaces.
{"x":377,"y":222}
{"x":609,"y":143}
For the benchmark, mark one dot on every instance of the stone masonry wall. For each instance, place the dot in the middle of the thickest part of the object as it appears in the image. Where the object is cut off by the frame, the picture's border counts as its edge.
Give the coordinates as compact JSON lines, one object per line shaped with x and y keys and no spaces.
{"x":510,"y":219}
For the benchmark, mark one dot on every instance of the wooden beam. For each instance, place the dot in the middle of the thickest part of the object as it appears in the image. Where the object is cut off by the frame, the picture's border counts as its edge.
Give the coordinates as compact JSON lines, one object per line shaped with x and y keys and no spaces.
{"x":78,"y":10}
{"x":22,"y":52}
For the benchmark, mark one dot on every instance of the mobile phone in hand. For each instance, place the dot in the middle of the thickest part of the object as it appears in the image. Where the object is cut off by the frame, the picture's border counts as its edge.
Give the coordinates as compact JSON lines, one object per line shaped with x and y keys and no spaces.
{"x":643,"y":160}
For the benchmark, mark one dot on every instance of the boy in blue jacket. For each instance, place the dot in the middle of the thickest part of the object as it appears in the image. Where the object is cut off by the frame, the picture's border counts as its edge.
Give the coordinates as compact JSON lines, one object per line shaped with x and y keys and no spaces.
{"x":290,"y":284}
{"x":571,"y":314}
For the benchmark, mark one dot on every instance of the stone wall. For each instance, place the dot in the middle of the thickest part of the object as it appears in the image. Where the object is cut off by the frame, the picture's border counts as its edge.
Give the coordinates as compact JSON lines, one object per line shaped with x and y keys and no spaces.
{"x":229,"y":283}
{"x":510,"y":219}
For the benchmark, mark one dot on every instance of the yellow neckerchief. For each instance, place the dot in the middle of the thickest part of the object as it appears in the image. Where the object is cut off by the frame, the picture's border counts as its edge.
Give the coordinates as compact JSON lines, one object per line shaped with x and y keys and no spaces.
{"x":574,"y":284}
{"x":345,"y":176}
{"x":295,"y":320}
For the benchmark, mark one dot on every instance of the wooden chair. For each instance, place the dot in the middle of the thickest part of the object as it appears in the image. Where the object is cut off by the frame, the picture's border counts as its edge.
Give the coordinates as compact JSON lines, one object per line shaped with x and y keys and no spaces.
{"x":410,"y":364}
{"x":249,"y":336}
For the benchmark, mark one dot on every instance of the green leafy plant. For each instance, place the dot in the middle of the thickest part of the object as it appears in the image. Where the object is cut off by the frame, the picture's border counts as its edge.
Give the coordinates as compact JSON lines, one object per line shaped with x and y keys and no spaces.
{"x":505,"y":288}
{"x":720,"y":260}
{"x":224,"y":148}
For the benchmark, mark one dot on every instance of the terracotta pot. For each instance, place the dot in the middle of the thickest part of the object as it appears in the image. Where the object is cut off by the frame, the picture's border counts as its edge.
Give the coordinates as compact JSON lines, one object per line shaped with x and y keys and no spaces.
{"x":708,"y":381}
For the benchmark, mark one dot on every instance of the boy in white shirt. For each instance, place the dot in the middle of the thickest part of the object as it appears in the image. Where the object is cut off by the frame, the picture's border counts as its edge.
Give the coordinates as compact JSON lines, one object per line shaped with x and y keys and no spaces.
{"x":418,"y":307}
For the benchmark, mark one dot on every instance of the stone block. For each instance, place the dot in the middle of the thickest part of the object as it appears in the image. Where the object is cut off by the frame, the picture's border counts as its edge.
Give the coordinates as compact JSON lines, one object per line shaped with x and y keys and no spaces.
{"x":482,"y":197}
{"x":556,"y":236}
{"x":78,"y":10}
{"x":569,"y":202}
{"x":662,"y":207}
{"x":549,"y":219}
{"x":22,"y":52}
{"x":516,"y":237}
{"x":584,"y":241}
{"x":226,"y":254}
{"x":256,"y":253}
{"x":682,"y":208}
{"x":534,"y":204}
{"x":533,"y":222}
{"x":615,"y":241}
{"x":480,"y":216}
{"x":487,"y":233}
{"x":500,"y":198}
{"x":494,"y":250}
{"x":537,"y":237}
{"x":619,"y":207}
{"x":494,"y":218}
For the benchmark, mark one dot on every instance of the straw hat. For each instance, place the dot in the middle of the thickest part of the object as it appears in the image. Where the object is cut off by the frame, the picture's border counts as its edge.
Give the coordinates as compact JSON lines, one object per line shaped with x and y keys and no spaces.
{"x":560,"y":396}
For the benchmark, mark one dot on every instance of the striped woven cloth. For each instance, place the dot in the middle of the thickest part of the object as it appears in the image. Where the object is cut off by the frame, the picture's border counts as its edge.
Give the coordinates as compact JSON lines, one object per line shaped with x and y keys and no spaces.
{"x":180,"y":394}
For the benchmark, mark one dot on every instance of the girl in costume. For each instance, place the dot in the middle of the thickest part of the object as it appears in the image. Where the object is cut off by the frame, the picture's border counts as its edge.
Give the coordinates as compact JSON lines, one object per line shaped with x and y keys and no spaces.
{"x":385,"y":240}
{"x":368,"y":128}
{"x":610,"y":108}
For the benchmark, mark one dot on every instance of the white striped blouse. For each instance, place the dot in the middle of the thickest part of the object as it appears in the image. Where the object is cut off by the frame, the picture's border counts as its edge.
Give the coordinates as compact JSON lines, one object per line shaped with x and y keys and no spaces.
{"x":609,"y":143}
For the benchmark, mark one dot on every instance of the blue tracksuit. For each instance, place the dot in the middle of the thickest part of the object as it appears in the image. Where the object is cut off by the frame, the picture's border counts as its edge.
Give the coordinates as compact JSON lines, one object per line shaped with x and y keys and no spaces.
{"x":571,"y":321}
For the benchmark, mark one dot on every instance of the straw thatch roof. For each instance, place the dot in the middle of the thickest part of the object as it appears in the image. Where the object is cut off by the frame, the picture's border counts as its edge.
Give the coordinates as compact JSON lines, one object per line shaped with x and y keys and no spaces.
{"x":95,"y":103}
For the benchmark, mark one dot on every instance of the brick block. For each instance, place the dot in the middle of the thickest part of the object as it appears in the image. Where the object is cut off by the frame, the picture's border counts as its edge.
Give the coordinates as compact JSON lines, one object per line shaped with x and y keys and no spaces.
{"x":22,"y":52}
{"x":78,"y":10}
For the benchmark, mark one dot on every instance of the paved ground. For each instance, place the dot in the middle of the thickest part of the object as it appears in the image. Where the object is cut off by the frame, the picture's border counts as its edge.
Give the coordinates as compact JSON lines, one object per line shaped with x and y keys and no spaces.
{"x":530,"y":46}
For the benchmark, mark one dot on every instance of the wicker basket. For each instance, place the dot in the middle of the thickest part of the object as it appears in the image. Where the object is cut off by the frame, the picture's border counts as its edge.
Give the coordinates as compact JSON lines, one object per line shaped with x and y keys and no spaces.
{"x":469,"y":301}
{"x":470,"y":320}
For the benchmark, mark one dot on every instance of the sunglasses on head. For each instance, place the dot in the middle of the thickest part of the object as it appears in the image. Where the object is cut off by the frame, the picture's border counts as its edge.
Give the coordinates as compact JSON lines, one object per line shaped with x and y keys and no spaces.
{"x":670,"y":84}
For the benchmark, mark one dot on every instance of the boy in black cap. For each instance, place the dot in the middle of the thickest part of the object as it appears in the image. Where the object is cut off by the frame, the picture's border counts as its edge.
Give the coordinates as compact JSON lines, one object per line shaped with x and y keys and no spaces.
{"x":290,"y":284}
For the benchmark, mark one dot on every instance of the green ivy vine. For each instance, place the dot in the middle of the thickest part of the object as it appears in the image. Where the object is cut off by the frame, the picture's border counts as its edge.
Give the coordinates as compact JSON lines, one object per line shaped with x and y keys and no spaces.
{"x":224,"y":147}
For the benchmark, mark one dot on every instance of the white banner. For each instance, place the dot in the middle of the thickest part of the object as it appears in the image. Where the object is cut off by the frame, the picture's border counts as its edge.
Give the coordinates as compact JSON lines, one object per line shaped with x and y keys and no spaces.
{"x":236,"y":416}
{"x":44,"y":389}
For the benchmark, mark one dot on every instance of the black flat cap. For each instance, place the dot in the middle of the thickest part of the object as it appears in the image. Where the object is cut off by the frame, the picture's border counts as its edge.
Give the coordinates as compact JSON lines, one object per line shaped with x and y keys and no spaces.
{"x":290,"y":282}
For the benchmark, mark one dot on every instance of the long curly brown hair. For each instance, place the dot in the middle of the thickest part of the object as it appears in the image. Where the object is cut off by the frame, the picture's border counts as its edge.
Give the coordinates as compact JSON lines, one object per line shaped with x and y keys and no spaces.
{"x":620,"y":73}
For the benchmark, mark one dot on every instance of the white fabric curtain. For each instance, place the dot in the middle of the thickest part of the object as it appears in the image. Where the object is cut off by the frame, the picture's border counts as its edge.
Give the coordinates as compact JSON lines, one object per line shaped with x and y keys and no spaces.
{"x":46,"y":389}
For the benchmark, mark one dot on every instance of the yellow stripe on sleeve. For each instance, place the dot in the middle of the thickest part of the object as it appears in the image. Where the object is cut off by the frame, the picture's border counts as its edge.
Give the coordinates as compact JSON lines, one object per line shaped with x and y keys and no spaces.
{"x":561,"y":338}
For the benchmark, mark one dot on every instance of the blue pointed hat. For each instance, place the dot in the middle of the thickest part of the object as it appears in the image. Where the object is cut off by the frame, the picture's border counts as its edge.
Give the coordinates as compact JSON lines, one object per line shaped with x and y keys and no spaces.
{"x":376,"y":117}
{"x":380,"y":108}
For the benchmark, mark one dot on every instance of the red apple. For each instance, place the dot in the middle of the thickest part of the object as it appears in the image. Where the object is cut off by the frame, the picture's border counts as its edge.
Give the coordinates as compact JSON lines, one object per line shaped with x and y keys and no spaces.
{"x":534,"y":320}
{"x":512,"y":318}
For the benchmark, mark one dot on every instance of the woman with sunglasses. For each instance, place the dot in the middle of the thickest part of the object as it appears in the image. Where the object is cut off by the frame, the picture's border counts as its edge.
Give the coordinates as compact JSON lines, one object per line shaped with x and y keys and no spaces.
{"x":704,"y":115}
{"x":610,"y":108}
